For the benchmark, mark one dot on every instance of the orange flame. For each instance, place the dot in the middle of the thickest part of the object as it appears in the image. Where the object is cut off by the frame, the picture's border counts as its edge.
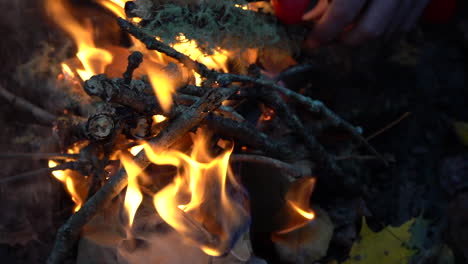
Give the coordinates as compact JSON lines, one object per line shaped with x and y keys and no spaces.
{"x":69,"y":178}
{"x":297,"y":201}
{"x":162,"y":86}
{"x":65,"y":177}
{"x":133,"y":196}
{"x":199,"y":192}
{"x":305,"y":213}
{"x":94,"y":60}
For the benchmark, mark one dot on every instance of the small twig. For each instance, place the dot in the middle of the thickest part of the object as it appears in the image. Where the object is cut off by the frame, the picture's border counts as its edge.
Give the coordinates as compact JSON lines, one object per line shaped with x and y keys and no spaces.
{"x":64,"y":166}
{"x":37,"y":156}
{"x":134,"y":61}
{"x":290,"y":169}
{"x":247,"y":134}
{"x":39,"y":113}
{"x":231,"y":113}
{"x":389,"y":158}
{"x":387,"y":127}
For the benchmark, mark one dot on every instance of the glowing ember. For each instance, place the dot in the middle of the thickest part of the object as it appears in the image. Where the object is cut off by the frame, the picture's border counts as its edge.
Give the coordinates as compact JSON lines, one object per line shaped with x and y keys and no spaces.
{"x":159,"y":118}
{"x":67,"y":71}
{"x":136,"y":149}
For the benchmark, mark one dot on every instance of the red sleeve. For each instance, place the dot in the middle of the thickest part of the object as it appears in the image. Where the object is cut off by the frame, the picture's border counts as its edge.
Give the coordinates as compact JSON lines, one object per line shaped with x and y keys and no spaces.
{"x":439,"y":11}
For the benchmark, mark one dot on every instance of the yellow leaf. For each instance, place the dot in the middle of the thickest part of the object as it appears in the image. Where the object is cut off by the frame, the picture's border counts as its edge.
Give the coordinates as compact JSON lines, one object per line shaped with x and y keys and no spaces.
{"x":461,"y":128}
{"x":385,"y":247}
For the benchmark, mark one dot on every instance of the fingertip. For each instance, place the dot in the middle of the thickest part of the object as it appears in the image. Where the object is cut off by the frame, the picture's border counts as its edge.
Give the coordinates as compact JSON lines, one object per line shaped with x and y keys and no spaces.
{"x":311,"y":42}
{"x":316,"y":12}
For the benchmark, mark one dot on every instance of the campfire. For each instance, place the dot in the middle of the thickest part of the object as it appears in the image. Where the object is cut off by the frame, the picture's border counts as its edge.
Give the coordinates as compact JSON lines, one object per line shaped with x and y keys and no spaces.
{"x":167,"y":124}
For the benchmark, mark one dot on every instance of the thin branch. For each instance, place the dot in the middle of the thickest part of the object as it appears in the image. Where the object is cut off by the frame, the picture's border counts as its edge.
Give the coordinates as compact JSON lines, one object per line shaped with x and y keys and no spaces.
{"x":37,"y":156}
{"x":69,"y":232}
{"x":296,"y":69}
{"x":387,"y":127}
{"x":290,"y":169}
{"x":64,"y":166}
{"x":39,"y":113}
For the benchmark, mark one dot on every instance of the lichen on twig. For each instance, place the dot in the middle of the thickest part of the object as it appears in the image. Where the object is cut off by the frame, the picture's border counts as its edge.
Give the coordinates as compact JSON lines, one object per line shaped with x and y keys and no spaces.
{"x":212,"y":24}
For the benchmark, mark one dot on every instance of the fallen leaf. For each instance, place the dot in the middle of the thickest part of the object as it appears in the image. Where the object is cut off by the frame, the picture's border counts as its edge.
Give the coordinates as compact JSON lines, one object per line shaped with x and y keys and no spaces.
{"x":389,"y":246}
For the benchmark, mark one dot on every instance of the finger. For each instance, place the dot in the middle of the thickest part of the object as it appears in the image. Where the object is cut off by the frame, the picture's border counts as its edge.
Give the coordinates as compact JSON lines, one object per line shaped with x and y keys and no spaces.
{"x":404,"y":9}
{"x":416,"y":12}
{"x":373,"y":23}
{"x":339,"y":14}
{"x":316,"y":12}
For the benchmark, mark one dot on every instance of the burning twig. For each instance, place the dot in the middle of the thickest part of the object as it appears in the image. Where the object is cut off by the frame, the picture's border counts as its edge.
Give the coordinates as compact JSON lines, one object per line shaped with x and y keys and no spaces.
{"x":314,"y":106}
{"x":69,"y":232}
{"x":153,"y":44}
{"x":194,"y":105}
{"x":42,"y":115}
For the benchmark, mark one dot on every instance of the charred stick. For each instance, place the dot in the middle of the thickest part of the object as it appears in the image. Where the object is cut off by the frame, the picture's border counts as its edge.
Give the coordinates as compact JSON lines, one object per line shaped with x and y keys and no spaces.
{"x":192,"y":90}
{"x":247,"y":134}
{"x":42,"y":115}
{"x":134,"y":61}
{"x":38,"y":156}
{"x":69,"y":232}
{"x":297,"y":69}
{"x":113,"y":91}
{"x":223,"y":110}
{"x":97,"y":177}
{"x":290,"y":169}
{"x":100,"y":126}
{"x":230,"y":112}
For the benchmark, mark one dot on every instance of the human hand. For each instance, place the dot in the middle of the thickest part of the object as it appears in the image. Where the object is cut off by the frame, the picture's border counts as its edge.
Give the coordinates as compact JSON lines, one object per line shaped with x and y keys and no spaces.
{"x":356,"y":21}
